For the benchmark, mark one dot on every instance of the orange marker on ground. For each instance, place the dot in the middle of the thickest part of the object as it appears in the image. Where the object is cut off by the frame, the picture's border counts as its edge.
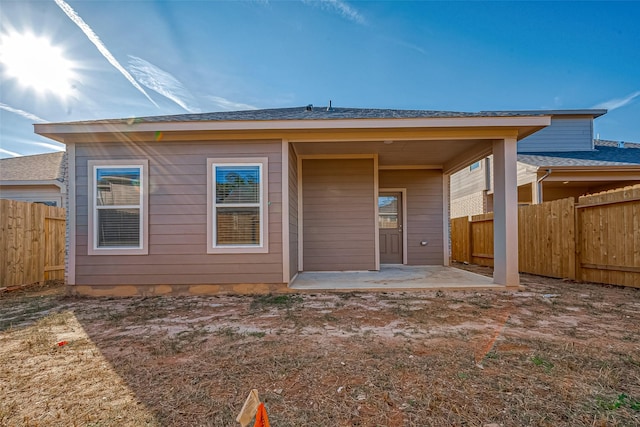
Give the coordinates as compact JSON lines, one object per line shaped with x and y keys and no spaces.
{"x":261,"y":417}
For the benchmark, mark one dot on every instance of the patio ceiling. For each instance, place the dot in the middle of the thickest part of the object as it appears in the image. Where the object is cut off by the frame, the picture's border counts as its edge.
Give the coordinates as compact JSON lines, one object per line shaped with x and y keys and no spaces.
{"x":431,"y":153}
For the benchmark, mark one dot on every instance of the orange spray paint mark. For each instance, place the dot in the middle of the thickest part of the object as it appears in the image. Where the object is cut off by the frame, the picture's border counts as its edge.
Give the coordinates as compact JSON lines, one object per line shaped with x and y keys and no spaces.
{"x":485,"y":349}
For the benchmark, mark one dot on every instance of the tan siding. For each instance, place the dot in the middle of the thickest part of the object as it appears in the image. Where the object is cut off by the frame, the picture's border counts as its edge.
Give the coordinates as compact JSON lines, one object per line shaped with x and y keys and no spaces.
{"x":164,"y":249}
{"x":166,"y":269}
{"x":466,"y":182}
{"x":424,"y":212}
{"x":293,"y":212}
{"x":176,"y":209}
{"x":338,"y":207}
{"x":150,"y":278}
{"x":177,"y":218}
{"x":526,"y":173}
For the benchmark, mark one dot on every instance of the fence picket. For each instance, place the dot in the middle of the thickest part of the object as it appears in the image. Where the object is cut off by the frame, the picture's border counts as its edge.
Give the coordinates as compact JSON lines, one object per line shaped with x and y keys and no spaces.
{"x":31,"y":243}
{"x":597,"y":240}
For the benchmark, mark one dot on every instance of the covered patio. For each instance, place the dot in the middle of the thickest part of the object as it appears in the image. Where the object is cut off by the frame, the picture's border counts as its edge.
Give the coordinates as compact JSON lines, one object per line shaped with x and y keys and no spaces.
{"x":395,"y":278}
{"x":401,"y":165}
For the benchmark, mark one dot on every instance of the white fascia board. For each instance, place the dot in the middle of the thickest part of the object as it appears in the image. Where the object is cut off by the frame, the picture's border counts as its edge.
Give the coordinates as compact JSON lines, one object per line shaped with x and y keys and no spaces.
{"x":602,"y":173}
{"x":594,"y":168}
{"x":319,"y":124}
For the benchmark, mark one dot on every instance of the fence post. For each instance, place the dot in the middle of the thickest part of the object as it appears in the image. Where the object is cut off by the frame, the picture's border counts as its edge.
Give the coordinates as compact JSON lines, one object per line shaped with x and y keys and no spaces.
{"x":470,"y":234}
{"x":578,"y":238}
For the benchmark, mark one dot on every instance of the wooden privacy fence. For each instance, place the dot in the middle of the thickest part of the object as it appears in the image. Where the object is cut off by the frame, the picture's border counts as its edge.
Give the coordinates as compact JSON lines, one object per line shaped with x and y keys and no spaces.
{"x":32,"y":242}
{"x":608,"y":237}
{"x":596,"y":240}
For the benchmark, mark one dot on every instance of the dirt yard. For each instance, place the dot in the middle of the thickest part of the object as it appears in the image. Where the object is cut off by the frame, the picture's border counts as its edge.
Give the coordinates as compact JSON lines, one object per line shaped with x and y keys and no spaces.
{"x":556,"y":354}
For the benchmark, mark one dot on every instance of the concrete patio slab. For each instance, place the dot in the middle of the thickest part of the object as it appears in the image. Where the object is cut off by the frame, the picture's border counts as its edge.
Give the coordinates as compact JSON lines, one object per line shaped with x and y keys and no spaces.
{"x":395,"y":277}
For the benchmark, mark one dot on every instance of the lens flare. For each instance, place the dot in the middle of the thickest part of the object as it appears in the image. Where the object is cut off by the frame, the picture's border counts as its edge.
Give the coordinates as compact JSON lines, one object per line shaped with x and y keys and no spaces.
{"x":36,"y":64}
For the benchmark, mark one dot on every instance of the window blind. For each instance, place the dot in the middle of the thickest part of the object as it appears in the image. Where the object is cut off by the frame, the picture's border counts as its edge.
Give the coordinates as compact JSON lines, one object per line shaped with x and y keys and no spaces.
{"x":118,"y":227}
{"x":118,"y":205}
{"x":237,"y":205}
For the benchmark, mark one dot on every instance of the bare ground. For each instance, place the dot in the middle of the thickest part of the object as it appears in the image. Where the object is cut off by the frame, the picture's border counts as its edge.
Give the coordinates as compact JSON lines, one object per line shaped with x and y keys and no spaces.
{"x":556,"y":354}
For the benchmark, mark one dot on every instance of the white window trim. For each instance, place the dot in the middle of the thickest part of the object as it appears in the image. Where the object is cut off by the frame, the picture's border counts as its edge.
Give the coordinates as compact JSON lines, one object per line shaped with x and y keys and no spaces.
{"x":263,"y":247}
{"x":92,"y":234}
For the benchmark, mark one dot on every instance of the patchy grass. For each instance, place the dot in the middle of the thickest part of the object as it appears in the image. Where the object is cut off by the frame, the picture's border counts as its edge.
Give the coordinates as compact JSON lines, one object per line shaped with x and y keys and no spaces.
{"x":346,"y":359}
{"x":30,"y":303}
{"x":262,"y":302}
{"x":539,"y":361}
{"x":621,"y":401}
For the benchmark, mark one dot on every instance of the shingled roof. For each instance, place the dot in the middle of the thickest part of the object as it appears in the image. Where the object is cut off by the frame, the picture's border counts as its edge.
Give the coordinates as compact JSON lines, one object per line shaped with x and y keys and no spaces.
{"x":39,"y":167}
{"x":311,"y":112}
{"x":605,"y":153}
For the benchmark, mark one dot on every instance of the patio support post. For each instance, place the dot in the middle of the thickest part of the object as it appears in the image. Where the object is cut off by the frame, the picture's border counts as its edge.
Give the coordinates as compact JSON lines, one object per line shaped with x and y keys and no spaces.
{"x":446,"y":188}
{"x":505,"y":213}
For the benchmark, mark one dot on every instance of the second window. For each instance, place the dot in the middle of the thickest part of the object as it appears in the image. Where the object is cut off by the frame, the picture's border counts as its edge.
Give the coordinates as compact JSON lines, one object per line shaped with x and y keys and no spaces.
{"x":237,"y":210}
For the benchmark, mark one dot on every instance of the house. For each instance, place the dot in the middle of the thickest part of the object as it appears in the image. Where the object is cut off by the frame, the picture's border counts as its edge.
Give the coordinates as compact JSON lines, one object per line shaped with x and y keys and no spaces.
{"x":38,"y":178}
{"x":563,"y":160}
{"x":247,"y":200}
{"x":547,"y":176}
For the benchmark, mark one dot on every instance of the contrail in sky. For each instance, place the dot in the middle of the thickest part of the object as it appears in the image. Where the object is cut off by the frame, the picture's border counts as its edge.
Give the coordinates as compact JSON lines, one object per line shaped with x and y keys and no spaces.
{"x":161,"y":81}
{"x":22,"y":113}
{"x":93,"y":38}
{"x":617,"y":103}
{"x":339,"y":6}
{"x":11,"y":153}
{"x":59,"y":147}
{"x":229,"y":105}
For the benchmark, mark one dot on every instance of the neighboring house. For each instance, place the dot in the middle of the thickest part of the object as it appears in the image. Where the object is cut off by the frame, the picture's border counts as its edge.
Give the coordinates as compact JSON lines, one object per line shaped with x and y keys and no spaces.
{"x":563,"y":160}
{"x":549,"y":176}
{"x":186,"y":203}
{"x":38,"y":178}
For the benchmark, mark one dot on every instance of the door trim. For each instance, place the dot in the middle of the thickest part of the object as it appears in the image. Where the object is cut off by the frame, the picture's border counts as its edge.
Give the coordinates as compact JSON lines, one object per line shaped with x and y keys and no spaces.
{"x":405,"y":224}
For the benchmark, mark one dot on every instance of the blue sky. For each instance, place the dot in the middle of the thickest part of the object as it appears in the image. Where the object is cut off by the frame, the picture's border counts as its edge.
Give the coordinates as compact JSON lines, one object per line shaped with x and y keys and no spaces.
{"x":108,"y":59}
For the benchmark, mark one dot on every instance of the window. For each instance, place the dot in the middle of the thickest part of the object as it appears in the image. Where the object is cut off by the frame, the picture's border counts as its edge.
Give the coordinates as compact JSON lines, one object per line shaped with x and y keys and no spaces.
{"x":237,"y":209}
{"x":118,"y":207}
{"x":474,"y":166}
{"x":387,"y":212}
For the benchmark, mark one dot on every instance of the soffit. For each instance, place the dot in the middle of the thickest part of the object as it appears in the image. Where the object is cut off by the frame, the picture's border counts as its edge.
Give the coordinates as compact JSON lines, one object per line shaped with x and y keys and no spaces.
{"x":420,"y":152}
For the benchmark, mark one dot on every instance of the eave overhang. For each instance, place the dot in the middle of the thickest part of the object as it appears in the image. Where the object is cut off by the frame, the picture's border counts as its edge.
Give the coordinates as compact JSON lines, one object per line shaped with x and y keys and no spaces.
{"x":486,"y":127}
{"x":590,"y":173}
{"x":53,"y":182}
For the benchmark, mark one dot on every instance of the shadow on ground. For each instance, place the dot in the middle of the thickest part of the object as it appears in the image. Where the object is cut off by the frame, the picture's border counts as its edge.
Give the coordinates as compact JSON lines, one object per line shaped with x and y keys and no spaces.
{"x":558,"y":353}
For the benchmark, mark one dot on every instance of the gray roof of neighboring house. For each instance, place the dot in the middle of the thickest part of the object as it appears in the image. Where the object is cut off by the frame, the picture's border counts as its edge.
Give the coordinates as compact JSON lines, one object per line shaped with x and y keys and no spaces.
{"x":605,"y":153}
{"x":609,"y":143}
{"x":39,"y":167}
{"x":323,"y":113}
{"x":594,"y":112}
